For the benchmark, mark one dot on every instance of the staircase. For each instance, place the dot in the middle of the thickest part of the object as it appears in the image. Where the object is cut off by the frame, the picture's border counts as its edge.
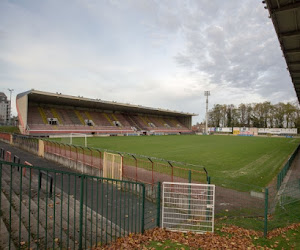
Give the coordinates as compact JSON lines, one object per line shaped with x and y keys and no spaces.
{"x":43,"y":115}
{"x":132,"y":122}
{"x":79,"y":116}
{"x":39,"y":219}
{"x":55,"y":114}
{"x":108,"y":119}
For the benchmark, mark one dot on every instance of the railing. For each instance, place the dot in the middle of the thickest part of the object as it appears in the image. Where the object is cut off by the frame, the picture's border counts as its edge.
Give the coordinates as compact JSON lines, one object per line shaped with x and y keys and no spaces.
{"x":286,"y":168}
{"x":140,"y":168}
{"x":82,"y":211}
{"x":26,"y":142}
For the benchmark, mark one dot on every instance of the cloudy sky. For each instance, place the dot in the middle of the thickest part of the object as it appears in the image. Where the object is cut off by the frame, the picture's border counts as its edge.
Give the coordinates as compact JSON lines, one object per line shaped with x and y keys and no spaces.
{"x":157,"y":53}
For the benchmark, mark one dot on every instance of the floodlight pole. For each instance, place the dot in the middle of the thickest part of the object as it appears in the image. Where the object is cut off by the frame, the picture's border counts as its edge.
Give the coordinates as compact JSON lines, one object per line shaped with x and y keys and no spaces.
{"x":10,"y":90}
{"x":207,"y":94}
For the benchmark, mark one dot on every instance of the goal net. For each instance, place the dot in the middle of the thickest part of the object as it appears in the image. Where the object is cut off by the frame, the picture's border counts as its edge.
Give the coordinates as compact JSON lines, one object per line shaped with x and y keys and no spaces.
{"x":112,"y":166}
{"x":75,"y":139}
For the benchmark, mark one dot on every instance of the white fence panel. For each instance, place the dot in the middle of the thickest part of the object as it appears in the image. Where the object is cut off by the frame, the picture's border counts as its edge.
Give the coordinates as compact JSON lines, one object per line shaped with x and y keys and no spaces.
{"x":188,"y":207}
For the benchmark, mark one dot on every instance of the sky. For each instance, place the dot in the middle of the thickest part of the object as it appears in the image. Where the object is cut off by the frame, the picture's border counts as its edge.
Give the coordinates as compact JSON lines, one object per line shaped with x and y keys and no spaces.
{"x":156,"y":53}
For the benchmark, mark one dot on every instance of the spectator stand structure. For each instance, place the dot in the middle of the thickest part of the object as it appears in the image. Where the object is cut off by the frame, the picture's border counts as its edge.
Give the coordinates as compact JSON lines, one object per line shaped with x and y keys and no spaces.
{"x":43,"y":114}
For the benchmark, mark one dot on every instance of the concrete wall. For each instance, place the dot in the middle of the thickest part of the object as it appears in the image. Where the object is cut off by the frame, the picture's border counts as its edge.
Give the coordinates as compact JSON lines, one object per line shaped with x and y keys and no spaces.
{"x":22,"y":108}
{"x":77,"y":166}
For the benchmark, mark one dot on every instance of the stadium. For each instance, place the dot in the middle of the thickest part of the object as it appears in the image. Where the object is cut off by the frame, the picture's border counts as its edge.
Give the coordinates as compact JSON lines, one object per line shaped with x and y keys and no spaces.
{"x":42,"y":113}
{"x":88,"y":173}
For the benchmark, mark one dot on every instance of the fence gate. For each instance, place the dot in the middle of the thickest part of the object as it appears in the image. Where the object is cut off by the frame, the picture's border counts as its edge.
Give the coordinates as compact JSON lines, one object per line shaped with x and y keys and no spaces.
{"x":112,"y":166}
{"x":188,"y":207}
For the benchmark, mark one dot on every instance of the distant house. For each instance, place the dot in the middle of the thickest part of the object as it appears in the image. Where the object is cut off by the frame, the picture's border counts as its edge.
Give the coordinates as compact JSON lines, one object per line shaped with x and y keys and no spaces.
{"x":4,"y":109}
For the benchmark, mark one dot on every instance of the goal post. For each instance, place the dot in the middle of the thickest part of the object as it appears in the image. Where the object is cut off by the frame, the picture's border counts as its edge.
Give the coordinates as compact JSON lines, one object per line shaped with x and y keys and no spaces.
{"x":75,"y":139}
{"x":112,"y":166}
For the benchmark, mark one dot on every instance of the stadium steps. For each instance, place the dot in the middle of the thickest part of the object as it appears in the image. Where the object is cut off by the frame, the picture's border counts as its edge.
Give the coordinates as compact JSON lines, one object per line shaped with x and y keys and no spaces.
{"x":108,"y":118}
{"x":131,"y":122}
{"x":164,"y":122}
{"x":144,"y":121}
{"x":154,"y":121}
{"x":122,"y":119}
{"x":43,"y":115}
{"x":116,"y":119}
{"x":137,"y":122}
{"x":113,"y":231}
{"x":88,"y":115}
{"x":79,"y":117}
{"x":4,"y":237}
{"x":55,"y":115}
{"x":73,"y":117}
{"x":148,"y":120}
{"x":172,"y":122}
{"x":64,"y":116}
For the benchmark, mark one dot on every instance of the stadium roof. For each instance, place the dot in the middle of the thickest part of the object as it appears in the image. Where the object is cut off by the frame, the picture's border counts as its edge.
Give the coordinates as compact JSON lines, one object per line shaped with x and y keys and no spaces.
{"x":60,"y":99}
{"x":285,"y":15}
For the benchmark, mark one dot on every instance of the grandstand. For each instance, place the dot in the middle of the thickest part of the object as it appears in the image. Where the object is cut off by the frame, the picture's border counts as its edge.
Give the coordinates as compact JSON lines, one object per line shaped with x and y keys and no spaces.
{"x":42,"y":113}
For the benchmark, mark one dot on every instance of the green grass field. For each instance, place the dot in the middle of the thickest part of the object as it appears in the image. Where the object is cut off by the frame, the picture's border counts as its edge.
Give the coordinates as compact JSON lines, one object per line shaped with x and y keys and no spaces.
{"x":228,"y":159}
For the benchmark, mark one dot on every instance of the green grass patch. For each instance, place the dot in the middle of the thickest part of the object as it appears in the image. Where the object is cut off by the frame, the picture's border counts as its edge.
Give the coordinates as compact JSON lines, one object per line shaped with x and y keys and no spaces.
{"x":289,"y":240}
{"x":248,"y":160}
{"x":10,"y":129}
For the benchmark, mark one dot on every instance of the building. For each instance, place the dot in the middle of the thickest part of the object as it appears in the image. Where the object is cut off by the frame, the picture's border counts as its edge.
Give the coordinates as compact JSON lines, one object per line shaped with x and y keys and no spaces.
{"x":4,"y":109}
{"x":43,"y":114}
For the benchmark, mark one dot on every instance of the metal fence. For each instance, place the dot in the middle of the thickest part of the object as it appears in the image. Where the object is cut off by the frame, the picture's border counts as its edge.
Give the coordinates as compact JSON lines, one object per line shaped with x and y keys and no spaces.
{"x":283,"y":205}
{"x":188,"y":207}
{"x":43,"y":208}
{"x":26,"y":142}
{"x":140,"y":168}
{"x":286,"y":168}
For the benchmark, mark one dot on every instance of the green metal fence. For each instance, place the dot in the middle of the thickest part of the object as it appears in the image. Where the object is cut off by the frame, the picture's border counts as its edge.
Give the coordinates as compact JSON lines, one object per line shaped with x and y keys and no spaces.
{"x":282,"y":206}
{"x":43,"y":208}
{"x":286,"y":168}
{"x":135,"y":167}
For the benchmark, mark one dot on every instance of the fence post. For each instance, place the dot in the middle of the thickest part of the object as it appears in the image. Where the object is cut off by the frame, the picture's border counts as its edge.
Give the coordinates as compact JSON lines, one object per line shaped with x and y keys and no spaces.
{"x":208,"y":179}
{"x":81,"y":212}
{"x":143,"y":209}
{"x":158,"y":205}
{"x":190,"y":181}
{"x":266,"y":212}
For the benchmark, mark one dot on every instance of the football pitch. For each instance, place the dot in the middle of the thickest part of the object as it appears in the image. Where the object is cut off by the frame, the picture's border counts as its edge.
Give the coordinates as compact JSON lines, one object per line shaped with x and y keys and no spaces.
{"x":228,"y":159}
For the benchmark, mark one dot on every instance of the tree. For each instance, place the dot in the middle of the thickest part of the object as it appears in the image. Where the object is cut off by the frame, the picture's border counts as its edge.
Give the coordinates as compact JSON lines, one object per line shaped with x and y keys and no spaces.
{"x":242,"y":109}
{"x":260,"y":115}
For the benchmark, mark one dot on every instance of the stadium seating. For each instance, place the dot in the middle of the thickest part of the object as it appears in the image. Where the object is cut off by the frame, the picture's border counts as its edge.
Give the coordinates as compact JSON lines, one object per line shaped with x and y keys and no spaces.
{"x":72,"y":120}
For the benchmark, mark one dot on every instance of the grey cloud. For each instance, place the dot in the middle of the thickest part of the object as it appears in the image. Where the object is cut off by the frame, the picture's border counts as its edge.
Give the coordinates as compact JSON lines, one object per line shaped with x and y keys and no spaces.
{"x":235,"y":49}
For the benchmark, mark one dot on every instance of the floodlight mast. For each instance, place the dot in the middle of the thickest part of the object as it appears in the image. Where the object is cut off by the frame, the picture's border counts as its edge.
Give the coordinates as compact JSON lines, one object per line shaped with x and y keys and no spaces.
{"x":207,"y":94}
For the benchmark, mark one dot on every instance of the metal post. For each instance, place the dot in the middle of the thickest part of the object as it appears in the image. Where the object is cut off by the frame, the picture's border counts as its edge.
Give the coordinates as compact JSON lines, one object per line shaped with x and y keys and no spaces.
{"x":172,"y":177}
{"x":158,"y":205}
{"x":207,"y":94}
{"x":266,"y":212}
{"x":190,"y":181}
{"x":135,"y":166}
{"x":152,"y":182}
{"x":143,"y":210}
{"x":81,"y":212}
